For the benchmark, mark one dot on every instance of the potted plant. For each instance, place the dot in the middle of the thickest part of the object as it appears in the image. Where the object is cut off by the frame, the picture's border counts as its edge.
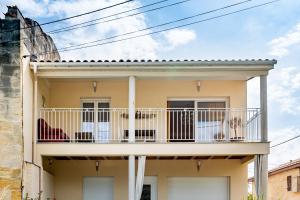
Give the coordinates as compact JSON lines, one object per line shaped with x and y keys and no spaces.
{"x":234,"y":123}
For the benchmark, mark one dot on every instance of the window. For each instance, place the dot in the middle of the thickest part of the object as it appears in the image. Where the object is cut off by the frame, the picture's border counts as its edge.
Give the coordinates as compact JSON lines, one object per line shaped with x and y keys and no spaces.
{"x":289,"y":183}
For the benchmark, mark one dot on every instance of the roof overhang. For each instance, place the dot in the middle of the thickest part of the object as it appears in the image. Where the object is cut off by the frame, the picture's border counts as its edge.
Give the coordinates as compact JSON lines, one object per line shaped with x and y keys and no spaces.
{"x":216,"y":70}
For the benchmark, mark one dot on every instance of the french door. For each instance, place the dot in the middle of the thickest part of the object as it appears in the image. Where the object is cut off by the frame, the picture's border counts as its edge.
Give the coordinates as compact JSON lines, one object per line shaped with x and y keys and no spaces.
{"x":196,"y":120}
{"x":96,"y":119}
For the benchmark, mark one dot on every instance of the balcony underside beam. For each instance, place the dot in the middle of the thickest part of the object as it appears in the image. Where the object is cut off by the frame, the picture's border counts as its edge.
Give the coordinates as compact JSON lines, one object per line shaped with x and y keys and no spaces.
{"x":183,"y":149}
{"x":243,"y":158}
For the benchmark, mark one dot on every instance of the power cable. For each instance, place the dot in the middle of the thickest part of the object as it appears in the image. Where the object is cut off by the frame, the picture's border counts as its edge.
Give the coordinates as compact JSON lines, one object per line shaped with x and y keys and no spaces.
{"x":67,"y":18}
{"x":159,"y":25}
{"x":131,"y":15}
{"x":285,"y":141}
{"x":108,"y":16}
{"x":184,"y":25}
{"x":76,"y":26}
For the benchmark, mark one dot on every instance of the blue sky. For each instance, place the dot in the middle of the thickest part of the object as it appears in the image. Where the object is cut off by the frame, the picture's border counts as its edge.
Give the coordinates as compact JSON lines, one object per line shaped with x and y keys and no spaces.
{"x":270,"y":32}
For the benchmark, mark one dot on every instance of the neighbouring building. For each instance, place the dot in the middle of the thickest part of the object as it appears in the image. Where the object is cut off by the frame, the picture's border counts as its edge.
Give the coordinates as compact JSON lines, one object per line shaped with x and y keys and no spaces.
{"x":284,"y":181}
{"x":134,"y":129}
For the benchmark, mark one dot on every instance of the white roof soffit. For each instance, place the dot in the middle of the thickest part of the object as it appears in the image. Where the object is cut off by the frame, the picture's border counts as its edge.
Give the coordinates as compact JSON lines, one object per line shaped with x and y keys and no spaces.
{"x":218,"y":70}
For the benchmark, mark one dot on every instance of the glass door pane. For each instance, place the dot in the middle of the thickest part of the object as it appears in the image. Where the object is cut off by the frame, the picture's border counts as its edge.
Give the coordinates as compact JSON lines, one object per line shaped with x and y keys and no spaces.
{"x":88,"y":117}
{"x":103,"y":122}
{"x":210,"y":122}
{"x":181,"y":121}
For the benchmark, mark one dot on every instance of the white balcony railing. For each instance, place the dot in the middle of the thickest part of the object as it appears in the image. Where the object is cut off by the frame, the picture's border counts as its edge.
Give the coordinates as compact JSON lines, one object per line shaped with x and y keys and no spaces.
{"x":159,"y":125}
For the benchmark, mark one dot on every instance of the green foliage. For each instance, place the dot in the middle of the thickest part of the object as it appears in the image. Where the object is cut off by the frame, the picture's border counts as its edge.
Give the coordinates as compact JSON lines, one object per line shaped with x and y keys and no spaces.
{"x":29,"y":198}
{"x":252,"y":197}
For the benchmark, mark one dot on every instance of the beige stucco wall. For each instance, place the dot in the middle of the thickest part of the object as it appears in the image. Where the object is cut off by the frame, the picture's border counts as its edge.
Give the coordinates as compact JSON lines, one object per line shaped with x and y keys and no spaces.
{"x":278,"y":186}
{"x":64,"y":93}
{"x":149,"y":93}
{"x":43,"y":91}
{"x":31,"y":176}
{"x":31,"y":172}
{"x":27,"y":110}
{"x":28,"y":106}
{"x":48,"y":185}
{"x":68,"y":175}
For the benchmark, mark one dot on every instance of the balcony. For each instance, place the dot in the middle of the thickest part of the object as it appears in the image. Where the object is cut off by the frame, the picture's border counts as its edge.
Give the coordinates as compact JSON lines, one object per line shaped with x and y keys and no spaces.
{"x":152,"y":125}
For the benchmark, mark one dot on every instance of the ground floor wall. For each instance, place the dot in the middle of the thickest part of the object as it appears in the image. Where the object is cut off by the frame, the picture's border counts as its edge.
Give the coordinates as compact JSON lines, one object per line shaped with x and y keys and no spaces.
{"x":68,"y":175}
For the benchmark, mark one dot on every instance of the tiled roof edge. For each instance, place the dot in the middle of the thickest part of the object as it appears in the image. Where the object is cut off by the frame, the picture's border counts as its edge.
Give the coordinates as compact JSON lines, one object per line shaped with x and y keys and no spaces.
{"x":159,"y":61}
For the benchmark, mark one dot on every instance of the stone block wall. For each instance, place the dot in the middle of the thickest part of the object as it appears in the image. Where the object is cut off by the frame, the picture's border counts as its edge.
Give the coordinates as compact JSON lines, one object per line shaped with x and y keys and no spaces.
{"x":12,"y":46}
{"x":11,"y":150}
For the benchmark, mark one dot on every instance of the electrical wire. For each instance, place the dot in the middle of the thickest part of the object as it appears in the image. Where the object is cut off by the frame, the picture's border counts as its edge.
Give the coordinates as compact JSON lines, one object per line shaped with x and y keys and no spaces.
{"x":159,"y":25}
{"x":71,"y":17}
{"x":151,"y":33}
{"x":76,"y":26}
{"x":108,"y":16}
{"x":131,"y":15}
{"x":285,"y":141}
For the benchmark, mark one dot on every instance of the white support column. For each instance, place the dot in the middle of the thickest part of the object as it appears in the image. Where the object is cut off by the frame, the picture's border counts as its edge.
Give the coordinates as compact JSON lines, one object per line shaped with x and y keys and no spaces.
{"x":261,"y":176}
{"x":131,"y":137}
{"x":131,"y":177}
{"x":264,"y":176}
{"x":131,"y":109}
{"x":264,"y":108}
{"x":261,"y":161}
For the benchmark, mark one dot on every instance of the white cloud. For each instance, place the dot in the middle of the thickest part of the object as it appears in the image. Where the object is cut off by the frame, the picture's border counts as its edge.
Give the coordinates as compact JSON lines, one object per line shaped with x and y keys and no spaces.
{"x":284,"y":88}
{"x":177,"y":37}
{"x":280,"y":46}
{"x":143,"y":47}
{"x":29,"y":7}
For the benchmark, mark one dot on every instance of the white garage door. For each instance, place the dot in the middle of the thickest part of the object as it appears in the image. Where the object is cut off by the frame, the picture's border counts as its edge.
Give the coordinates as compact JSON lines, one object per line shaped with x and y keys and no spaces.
{"x":98,"y":188}
{"x":198,"y":188}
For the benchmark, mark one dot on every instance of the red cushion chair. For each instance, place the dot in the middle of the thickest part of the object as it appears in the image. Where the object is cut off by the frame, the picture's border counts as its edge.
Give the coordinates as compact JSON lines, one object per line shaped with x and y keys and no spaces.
{"x":48,"y":134}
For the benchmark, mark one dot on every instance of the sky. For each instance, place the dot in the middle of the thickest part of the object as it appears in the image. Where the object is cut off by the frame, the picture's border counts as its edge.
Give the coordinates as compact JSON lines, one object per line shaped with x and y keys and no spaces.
{"x":269,"y":32}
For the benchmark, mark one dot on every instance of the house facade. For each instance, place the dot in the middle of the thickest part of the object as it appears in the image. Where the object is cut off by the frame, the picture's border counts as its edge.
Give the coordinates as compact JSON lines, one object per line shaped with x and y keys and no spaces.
{"x":141,"y":129}
{"x":284,"y":181}
{"x":96,"y":121}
